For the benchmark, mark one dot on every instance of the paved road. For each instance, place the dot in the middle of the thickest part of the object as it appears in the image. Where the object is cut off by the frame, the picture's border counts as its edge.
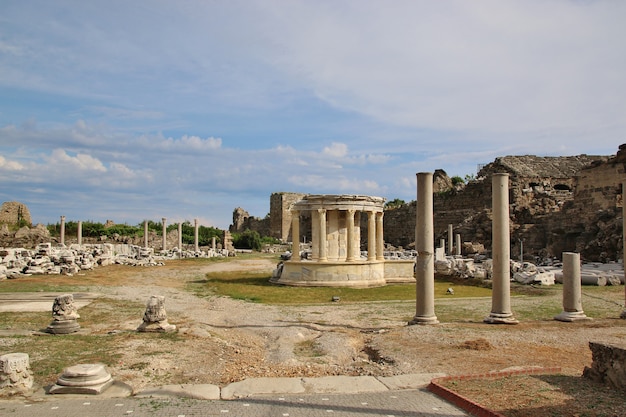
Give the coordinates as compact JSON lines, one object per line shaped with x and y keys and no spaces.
{"x":403,"y":403}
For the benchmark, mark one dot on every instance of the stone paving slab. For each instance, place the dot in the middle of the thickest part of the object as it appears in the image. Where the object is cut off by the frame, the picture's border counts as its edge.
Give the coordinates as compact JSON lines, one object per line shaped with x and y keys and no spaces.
{"x":408,"y":381}
{"x":343,"y":384}
{"x":256,"y":386}
{"x":39,"y":301}
{"x":407,"y":403}
{"x":197,"y":392}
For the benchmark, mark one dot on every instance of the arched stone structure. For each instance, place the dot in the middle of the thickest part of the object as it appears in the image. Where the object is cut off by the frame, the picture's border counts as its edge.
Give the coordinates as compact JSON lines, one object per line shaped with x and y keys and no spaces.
{"x":336,"y":237}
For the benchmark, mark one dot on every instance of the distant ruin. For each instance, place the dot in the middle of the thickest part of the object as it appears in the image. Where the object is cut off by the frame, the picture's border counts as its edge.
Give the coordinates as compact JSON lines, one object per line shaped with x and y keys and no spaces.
{"x":557,"y":204}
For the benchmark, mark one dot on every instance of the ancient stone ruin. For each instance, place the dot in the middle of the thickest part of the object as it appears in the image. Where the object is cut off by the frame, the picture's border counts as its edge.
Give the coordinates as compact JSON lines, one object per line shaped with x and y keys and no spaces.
{"x":557,"y":204}
{"x":155,"y":316}
{"x":83,"y":379}
{"x":64,"y":316}
{"x":15,"y":373}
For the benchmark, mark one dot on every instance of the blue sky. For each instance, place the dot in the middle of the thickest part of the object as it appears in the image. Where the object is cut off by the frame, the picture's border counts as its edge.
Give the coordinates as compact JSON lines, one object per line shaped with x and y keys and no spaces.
{"x":188,"y":109}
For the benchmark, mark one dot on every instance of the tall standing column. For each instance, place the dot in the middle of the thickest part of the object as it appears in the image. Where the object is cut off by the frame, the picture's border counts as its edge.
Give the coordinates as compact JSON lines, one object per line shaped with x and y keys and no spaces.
{"x":458,"y":244}
{"x":623,"y":315}
{"x":295,"y":235}
{"x":62,"y":240}
{"x":180,"y":237}
{"x":371,"y":236}
{"x":450,"y":239}
{"x":323,"y":247}
{"x":572,"y":294}
{"x":164,"y":247}
{"x":350,"y":252}
{"x":425,"y":247}
{"x":380,"y":240}
{"x":196,"y":243}
{"x":213,"y":246}
{"x":145,"y":234}
{"x":79,"y":236}
{"x":501,"y":253}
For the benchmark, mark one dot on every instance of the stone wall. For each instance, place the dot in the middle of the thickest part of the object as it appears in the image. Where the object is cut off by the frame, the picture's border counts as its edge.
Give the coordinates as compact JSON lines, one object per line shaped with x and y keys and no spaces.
{"x":280,"y":214}
{"x":12,"y":213}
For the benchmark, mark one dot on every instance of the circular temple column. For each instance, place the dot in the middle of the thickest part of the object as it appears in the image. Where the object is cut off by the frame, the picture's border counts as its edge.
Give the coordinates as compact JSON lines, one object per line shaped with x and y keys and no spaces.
{"x":145,"y":234}
{"x":350,"y":250}
{"x":371,"y":236}
{"x":501,"y":252}
{"x":425,"y":247}
{"x":295,"y":234}
{"x":195,"y":236}
{"x":323,"y":252}
{"x":380,"y":242}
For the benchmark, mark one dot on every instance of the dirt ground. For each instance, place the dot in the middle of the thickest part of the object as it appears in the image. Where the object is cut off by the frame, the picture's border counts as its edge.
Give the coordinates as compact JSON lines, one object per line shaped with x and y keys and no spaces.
{"x":228,"y":340}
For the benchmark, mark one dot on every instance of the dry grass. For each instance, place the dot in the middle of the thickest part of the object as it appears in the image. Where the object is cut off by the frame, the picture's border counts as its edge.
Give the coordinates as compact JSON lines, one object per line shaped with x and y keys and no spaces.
{"x":542,"y":395}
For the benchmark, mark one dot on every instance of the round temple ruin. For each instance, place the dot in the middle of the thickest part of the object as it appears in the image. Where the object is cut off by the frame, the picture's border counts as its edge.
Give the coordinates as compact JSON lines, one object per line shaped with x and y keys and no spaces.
{"x":335,"y":247}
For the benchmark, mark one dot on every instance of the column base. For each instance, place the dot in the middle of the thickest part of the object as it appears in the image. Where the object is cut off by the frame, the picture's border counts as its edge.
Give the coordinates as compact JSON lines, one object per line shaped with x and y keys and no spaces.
{"x":569,"y":316}
{"x":423,"y":320}
{"x":500,"y":318}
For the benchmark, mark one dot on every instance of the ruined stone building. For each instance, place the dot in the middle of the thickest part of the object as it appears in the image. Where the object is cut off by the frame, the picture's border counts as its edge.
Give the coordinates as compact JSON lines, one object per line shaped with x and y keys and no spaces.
{"x":557,"y":204}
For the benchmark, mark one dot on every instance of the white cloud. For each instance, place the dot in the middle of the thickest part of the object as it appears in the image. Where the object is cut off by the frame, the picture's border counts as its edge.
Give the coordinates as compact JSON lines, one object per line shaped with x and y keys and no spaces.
{"x":336,"y":150}
{"x":10,"y":165}
{"x":80,"y":162}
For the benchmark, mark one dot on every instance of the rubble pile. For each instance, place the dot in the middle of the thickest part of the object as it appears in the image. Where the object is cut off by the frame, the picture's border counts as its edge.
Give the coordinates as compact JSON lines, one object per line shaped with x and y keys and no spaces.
{"x":46,"y":259}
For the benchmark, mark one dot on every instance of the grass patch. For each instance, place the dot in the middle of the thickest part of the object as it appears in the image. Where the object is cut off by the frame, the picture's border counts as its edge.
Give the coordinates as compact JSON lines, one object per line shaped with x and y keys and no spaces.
{"x":255,"y":287}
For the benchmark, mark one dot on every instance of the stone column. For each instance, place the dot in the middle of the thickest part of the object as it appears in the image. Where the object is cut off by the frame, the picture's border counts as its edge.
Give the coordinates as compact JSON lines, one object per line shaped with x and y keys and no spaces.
{"x":295,"y":235}
{"x":62,"y":230}
{"x":501,"y":253}
{"x":450,"y":239}
{"x":371,"y":236}
{"x":380,"y":240}
{"x":442,"y":244}
{"x":213,"y":246}
{"x":458,"y":244}
{"x":180,"y":237}
{"x":572,"y":294}
{"x":351,"y":252}
{"x":164,"y":247}
{"x":323,"y":252}
{"x":79,"y":236}
{"x":425,"y":247}
{"x":15,"y":373}
{"x":145,"y":234}
{"x":623,"y":315}
{"x":195,"y":236}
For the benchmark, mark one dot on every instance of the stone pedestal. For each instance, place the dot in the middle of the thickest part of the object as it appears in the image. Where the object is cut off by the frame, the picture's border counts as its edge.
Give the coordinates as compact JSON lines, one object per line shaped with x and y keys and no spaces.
{"x":64,"y":316}
{"x":572,"y":294}
{"x":15,"y":374}
{"x":83,"y":379}
{"x":155,"y":316}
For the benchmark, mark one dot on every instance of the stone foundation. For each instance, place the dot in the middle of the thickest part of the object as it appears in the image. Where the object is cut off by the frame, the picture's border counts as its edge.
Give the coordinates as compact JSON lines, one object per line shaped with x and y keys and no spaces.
{"x":609,"y":365}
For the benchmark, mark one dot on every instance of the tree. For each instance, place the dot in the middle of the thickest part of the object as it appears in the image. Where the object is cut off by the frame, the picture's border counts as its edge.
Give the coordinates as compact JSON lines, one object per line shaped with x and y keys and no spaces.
{"x":393,"y":204}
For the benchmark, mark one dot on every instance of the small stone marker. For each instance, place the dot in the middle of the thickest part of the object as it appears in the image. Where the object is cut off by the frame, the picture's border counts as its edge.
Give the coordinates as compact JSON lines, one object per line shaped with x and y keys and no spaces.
{"x":83,"y":379}
{"x":155,"y":317}
{"x":15,"y":374}
{"x":64,"y":315}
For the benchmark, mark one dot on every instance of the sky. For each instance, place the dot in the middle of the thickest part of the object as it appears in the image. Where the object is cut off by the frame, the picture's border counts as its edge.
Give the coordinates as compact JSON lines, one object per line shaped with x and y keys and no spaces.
{"x":135,"y":110}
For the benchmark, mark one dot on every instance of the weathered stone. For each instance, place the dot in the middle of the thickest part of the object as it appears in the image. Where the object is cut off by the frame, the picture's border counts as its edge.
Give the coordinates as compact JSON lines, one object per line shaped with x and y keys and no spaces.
{"x":15,"y":373}
{"x":83,"y":379}
{"x":155,"y":316}
{"x":64,"y":316}
{"x":608,"y":366}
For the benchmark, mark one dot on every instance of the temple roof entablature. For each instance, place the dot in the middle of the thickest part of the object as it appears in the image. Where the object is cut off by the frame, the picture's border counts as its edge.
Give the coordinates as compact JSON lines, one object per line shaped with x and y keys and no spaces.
{"x":340,"y":202}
